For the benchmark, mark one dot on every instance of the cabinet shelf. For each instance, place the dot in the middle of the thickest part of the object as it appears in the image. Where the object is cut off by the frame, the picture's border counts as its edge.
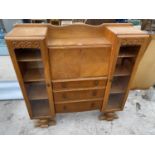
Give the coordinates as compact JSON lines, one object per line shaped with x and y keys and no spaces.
{"x":126,"y":54}
{"x":121,"y":71}
{"x":40,"y":108}
{"x":35,"y":74}
{"x":128,"y":51}
{"x":26,"y":55}
{"x":37,"y":91}
{"x":115,"y":101}
{"x":119,"y":84}
{"x":117,"y":88}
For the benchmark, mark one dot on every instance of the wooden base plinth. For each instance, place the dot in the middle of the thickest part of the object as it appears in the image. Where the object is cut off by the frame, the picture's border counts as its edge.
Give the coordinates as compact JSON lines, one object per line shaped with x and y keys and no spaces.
{"x":45,"y":123}
{"x":108,"y":116}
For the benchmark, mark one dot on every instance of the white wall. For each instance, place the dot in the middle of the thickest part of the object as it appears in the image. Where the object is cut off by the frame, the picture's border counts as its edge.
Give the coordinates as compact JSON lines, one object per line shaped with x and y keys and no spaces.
{"x":8,"y":23}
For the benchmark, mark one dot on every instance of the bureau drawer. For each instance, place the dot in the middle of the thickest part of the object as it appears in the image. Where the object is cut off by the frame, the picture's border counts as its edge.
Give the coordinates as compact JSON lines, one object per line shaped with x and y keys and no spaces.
{"x":78,"y":94}
{"x":79,"y":83}
{"x":78,"y":106}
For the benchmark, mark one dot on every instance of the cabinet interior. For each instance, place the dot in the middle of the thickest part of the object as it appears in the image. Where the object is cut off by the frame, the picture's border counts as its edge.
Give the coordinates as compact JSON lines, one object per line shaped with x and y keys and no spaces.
{"x":32,"y":70}
{"x":123,"y":70}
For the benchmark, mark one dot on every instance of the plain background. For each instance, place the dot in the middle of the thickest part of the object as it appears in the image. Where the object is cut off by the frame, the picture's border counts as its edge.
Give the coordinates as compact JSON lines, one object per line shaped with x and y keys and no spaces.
{"x":71,"y":9}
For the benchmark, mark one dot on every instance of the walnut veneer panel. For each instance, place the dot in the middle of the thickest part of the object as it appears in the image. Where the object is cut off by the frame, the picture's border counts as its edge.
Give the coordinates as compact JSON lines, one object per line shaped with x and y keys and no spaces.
{"x":79,"y":83}
{"x":78,"y":94}
{"x":78,"y":63}
{"x":76,"y":106}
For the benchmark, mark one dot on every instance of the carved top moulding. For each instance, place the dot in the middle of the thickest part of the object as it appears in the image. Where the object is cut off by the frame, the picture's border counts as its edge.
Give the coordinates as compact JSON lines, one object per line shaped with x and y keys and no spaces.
{"x":131,"y":41}
{"x":26,"y":44}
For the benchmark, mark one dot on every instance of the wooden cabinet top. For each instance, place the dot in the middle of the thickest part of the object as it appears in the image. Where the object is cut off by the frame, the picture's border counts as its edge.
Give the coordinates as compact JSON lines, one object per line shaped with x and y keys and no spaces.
{"x":125,"y":30}
{"x":78,"y":35}
{"x":25,"y":30}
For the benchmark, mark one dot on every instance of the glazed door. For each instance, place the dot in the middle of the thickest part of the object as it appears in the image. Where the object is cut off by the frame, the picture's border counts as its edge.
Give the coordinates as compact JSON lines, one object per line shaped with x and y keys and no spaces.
{"x":126,"y":63}
{"x":32,"y":72}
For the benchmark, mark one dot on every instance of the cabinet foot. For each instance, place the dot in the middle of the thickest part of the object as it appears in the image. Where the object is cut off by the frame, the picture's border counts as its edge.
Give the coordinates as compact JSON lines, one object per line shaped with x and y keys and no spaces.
{"x":45,"y":123}
{"x":108,"y":116}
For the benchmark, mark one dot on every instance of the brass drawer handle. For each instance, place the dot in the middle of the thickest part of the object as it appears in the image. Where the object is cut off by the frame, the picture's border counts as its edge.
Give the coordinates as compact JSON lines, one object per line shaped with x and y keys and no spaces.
{"x":64,"y":108}
{"x":64,"y":96}
{"x":96,"y":83}
{"x":94,"y":93}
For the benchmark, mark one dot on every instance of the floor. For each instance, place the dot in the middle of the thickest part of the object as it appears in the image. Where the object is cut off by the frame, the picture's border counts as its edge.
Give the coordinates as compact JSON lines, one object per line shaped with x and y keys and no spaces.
{"x":3,"y":48}
{"x":137,"y":118}
{"x":7,"y":72}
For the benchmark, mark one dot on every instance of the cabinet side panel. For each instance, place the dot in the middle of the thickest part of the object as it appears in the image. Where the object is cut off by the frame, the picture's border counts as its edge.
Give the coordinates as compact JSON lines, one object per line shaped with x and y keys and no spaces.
{"x":113,"y":59}
{"x":45,"y":57}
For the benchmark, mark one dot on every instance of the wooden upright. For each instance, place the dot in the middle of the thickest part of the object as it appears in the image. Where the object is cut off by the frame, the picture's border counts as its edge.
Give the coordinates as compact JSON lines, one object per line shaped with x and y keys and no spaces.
{"x":75,"y":68}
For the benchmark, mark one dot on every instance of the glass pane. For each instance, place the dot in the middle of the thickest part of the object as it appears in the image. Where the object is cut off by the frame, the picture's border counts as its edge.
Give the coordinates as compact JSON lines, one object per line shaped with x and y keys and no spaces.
{"x":32,"y":70}
{"x":40,"y":108}
{"x":115,"y":101}
{"x":36,"y":90}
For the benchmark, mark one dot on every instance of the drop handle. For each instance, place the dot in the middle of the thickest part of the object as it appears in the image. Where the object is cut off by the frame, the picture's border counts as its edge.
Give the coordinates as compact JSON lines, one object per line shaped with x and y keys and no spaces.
{"x":64,"y":96}
{"x":92,"y":105}
{"x":64,"y":108}
{"x":94,"y":93}
{"x":96,"y":83}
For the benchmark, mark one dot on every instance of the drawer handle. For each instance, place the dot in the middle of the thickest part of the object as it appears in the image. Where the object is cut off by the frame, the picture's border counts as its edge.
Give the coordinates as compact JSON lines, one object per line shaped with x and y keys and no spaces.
{"x":64,"y":108}
{"x":94,"y":93}
{"x":63,"y":85}
{"x":64,"y":96}
{"x":96,"y":83}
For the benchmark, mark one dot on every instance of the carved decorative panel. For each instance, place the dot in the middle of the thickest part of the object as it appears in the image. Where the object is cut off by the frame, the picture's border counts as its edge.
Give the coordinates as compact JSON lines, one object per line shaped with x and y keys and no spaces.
{"x":132,"y":41}
{"x":26,"y":44}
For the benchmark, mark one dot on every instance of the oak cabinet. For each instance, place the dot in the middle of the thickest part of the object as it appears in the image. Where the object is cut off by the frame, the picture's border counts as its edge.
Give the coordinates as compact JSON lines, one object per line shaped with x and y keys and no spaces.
{"x":75,"y":68}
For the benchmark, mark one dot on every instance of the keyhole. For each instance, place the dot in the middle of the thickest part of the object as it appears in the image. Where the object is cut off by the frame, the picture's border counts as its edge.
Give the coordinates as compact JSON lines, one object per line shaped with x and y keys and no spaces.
{"x":64,"y":96}
{"x":64,"y":108}
{"x":63,"y":85}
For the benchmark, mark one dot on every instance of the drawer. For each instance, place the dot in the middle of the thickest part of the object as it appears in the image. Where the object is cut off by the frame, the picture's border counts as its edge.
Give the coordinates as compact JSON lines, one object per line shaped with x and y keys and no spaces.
{"x":79,"y":83}
{"x":78,"y":94}
{"x":78,"y":106}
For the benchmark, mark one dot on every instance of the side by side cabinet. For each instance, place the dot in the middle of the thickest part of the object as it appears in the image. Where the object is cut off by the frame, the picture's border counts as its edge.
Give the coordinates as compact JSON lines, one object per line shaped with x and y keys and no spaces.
{"x":29,"y":60}
{"x":75,"y":68}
